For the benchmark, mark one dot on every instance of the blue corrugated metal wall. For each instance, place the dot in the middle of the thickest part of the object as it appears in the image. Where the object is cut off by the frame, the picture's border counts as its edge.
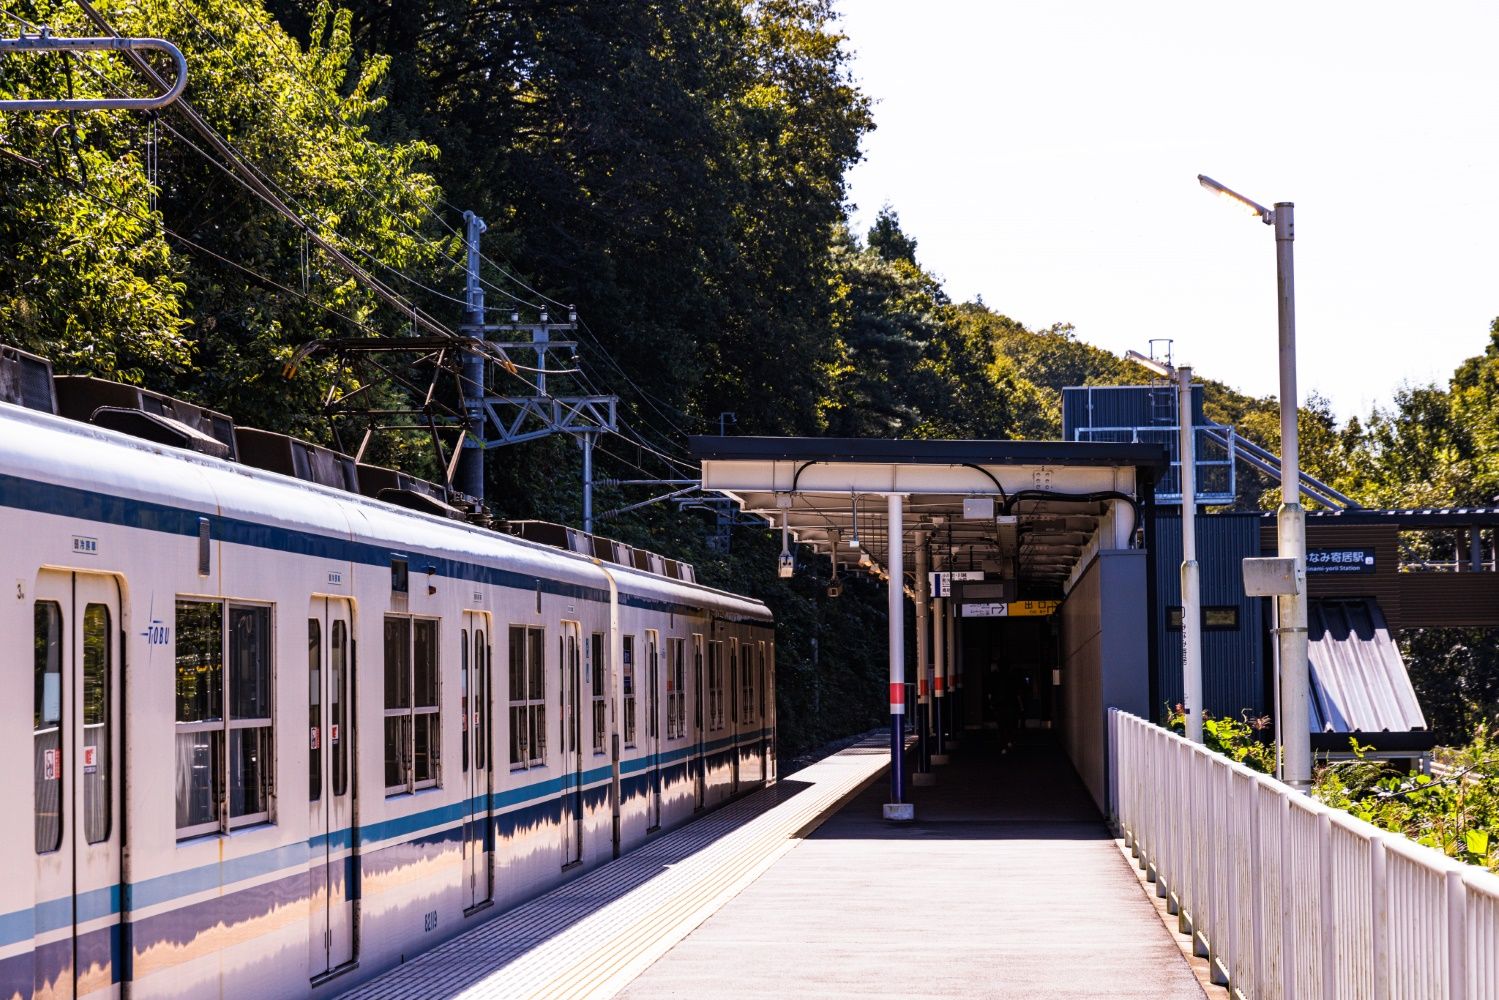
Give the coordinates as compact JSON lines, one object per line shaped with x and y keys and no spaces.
{"x":1123,"y":406}
{"x":1233,"y":662}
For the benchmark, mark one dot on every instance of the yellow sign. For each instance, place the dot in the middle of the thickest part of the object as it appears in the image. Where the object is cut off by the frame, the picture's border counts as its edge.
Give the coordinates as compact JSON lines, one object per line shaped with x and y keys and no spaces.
{"x":1011,"y":609}
{"x":1033,"y":609}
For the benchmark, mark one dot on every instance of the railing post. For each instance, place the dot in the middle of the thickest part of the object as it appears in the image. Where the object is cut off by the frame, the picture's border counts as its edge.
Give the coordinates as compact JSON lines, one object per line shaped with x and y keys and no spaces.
{"x":1287,"y":918}
{"x":1379,"y":919}
{"x":1256,"y":890}
{"x":1225,"y":945}
{"x":1457,"y":935}
{"x":1327,"y":933}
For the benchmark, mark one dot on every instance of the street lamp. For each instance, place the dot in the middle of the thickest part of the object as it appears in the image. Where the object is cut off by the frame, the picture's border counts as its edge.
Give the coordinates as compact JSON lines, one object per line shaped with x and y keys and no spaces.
{"x":1191,"y":588}
{"x":1293,"y":723}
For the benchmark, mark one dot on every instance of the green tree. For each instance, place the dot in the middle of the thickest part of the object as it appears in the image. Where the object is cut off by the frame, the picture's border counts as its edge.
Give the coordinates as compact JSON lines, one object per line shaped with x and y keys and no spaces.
{"x":193,"y":283}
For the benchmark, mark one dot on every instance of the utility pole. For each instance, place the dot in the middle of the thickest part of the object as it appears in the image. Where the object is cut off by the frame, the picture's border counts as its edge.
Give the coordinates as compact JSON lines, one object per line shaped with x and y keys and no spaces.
{"x":586,"y":441}
{"x":583,"y":418}
{"x":471,"y":462}
{"x":1294,"y":709}
{"x":1295,"y":685}
{"x":1191,"y":583}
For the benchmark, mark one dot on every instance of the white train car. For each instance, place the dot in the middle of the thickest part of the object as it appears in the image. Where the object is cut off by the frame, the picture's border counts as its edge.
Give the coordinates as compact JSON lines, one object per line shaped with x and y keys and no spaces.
{"x":284,"y":737}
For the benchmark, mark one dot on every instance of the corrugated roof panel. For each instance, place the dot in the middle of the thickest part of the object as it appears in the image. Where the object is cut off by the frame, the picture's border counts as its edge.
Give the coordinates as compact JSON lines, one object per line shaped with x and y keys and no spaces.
{"x":1359,"y":680}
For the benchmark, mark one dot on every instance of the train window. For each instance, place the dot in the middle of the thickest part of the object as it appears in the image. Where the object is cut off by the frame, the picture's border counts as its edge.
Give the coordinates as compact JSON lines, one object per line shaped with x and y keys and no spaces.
{"x":314,"y":709}
{"x":763,"y":680}
{"x":250,"y":746}
{"x":399,"y":576}
{"x":480,"y":698}
{"x":715,"y":685}
{"x":653,"y":679}
{"x":527,"y":697}
{"x":676,"y":679}
{"x":338,"y":693}
{"x":200,"y":715}
{"x":628,"y":679}
{"x":697,"y":680}
{"x":536,"y":692}
{"x":46,"y":723}
{"x":224,"y":716}
{"x":97,"y":805}
{"x":596,"y":652}
{"x":463,"y":695}
{"x":413,"y":730}
{"x":747,"y":684}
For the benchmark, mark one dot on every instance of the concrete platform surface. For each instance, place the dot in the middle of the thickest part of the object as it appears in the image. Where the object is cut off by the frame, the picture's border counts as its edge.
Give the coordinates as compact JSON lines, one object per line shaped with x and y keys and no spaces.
{"x":1006,"y":885}
{"x":596,"y":932}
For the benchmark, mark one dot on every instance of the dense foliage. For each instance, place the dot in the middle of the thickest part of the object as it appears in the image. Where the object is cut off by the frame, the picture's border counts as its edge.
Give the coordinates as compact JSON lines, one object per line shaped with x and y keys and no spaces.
{"x":675,"y":170}
{"x":1455,"y":812}
{"x":1247,"y":740}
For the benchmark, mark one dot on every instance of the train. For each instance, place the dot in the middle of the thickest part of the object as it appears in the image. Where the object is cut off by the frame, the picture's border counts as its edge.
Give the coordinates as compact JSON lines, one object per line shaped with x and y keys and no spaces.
{"x":285,"y":735}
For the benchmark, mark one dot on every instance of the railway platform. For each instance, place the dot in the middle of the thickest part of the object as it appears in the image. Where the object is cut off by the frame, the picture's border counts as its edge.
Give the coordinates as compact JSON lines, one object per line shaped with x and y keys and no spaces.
{"x":1007,"y":885}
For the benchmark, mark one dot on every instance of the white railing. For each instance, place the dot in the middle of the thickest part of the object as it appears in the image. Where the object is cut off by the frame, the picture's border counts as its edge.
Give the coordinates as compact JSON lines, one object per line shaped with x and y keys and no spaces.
{"x":1290,"y":899}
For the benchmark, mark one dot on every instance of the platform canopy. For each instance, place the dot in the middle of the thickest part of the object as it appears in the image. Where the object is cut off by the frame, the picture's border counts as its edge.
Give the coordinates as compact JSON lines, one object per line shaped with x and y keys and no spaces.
{"x":1026,"y":511}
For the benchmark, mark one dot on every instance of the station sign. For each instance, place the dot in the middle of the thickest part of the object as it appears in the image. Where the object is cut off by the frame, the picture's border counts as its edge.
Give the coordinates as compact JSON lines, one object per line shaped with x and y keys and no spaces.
{"x":1340,"y":561}
{"x":942,"y":582}
{"x":1010,"y":609}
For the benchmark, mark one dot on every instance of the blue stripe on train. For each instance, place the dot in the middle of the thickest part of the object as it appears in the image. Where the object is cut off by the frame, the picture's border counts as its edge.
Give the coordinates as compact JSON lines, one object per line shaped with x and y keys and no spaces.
{"x":105,"y":508}
{"x":20,"y":925}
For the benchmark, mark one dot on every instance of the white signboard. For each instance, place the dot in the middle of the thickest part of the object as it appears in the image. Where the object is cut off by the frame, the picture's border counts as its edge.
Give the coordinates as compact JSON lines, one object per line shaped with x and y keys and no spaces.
{"x":942,"y":582}
{"x":1011,"y":609}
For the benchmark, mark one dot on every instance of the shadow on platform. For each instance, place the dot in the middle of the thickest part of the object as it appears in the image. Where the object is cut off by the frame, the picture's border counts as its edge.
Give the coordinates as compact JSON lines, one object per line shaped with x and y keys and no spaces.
{"x":1029,"y":792}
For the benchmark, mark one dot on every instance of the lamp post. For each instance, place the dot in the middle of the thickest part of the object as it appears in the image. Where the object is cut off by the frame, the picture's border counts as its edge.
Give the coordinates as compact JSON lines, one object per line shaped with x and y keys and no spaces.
{"x":1293,"y":721}
{"x":1191,"y":587}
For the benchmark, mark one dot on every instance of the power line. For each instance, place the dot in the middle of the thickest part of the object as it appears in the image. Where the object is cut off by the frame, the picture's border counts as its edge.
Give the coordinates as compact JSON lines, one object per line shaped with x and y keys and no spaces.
{"x":271,"y":42}
{"x":193,"y":244}
{"x":232,"y":155}
{"x":241,"y":169}
{"x":373,"y":198}
{"x":250,"y":18}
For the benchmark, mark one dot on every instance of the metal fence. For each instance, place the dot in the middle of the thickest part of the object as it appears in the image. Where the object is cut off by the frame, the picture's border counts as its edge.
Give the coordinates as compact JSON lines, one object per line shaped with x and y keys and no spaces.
{"x":1292,"y":900}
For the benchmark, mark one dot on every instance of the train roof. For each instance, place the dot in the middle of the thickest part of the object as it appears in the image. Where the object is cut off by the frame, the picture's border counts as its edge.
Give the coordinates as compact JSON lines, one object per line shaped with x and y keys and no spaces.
{"x":104,"y":463}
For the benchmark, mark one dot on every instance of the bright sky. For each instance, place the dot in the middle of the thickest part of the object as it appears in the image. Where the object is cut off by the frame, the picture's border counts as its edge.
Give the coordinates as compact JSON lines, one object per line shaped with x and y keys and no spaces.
{"x":1044,"y":155}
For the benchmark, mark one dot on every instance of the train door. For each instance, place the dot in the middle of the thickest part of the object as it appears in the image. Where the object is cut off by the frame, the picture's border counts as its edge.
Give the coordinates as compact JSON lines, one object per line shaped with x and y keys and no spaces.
{"x":701,"y":765}
{"x":77,"y":768}
{"x":768,"y":699}
{"x":330,"y":790}
{"x":762,"y":737}
{"x":570,"y":664}
{"x":653,"y":728}
{"x":476,"y":668}
{"x":733,"y":682}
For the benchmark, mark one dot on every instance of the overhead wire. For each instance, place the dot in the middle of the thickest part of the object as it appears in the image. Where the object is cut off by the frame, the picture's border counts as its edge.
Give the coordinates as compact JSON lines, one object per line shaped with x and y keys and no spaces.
{"x":409,"y":310}
{"x":225,"y":149}
{"x":655,"y":404}
{"x":238,"y":159}
{"x":187,"y":241}
{"x":250,"y":19}
{"x":375,"y":199}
